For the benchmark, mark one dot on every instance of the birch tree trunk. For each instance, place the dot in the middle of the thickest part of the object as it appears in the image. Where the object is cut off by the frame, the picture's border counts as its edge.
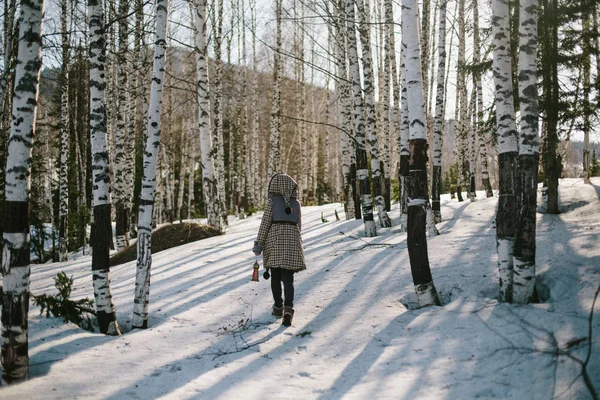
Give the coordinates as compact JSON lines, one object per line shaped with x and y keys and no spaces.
{"x":362,"y":171}
{"x":390,"y":59}
{"x":344,"y":91}
{"x":404,"y":143}
{"x":63,"y":189}
{"x":418,"y":198}
{"x":436,"y":185}
{"x":218,"y":144}
{"x":461,"y":93}
{"x":121,"y":137}
{"x":15,"y":252}
{"x":275,"y":124}
{"x":507,"y":147}
{"x":524,"y":250}
{"x":364,"y":18}
{"x":191,"y":170}
{"x":209,"y":182}
{"x":255,"y":180}
{"x":481,"y":135}
{"x":587,"y":127}
{"x":152,"y":148}
{"x":107,"y":319}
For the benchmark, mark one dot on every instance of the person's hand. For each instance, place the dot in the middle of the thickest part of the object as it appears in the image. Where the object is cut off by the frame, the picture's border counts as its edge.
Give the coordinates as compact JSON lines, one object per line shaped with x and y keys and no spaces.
{"x":257,"y":249}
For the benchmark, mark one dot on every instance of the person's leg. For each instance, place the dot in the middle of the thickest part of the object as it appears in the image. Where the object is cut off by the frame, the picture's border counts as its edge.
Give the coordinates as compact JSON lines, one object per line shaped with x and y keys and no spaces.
{"x":276,"y":287}
{"x":287,"y":277}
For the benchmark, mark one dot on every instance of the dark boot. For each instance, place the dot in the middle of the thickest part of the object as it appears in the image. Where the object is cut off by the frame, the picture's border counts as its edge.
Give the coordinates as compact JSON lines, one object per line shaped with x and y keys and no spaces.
{"x":277,"y":311}
{"x":288,"y":314}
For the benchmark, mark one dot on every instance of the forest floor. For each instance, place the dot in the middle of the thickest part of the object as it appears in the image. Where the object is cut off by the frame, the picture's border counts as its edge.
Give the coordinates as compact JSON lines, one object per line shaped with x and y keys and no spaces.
{"x":355,"y":334}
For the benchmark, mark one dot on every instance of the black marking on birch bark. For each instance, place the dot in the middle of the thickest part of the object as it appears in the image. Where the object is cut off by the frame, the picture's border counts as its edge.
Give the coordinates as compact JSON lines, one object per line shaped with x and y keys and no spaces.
{"x":16,"y":217}
{"x":105,"y":319}
{"x":15,"y":308}
{"x":507,"y":201}
{"x":525,"y":231}
{"x":103,"y":236}
{"x":417,"y":245}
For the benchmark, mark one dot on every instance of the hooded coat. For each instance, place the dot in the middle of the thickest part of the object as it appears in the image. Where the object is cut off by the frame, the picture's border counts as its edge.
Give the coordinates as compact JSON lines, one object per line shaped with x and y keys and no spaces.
{"x":279,"y":235}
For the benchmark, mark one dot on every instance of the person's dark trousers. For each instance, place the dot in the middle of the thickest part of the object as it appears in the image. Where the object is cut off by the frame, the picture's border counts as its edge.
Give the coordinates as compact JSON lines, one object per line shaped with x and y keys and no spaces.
{"x":286,"y":276}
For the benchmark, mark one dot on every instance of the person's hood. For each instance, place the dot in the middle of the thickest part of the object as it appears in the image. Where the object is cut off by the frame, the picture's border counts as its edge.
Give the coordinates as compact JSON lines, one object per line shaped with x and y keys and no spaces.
{"x":283,"y":185}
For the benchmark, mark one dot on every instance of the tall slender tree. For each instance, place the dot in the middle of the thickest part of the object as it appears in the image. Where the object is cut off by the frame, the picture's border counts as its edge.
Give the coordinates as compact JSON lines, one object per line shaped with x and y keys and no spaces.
{"x":209,"y":182}
{"x":362,"y":171}
{"x":507,"y":147}
{"x":344,"y":92}
{"x":63,"y":189}
{"x":524,"y":250}
{"x":550,"y":104}
{"x":418,"y":196}
{"x":436,"y":185}
{"x":107,"y":319}
{"x":121,"y":136}
{"x":478,"y":87}
{"x":275,"y":123}
{"x":15,"y":259}
{"x":152,"y":148}
{"x":364,"y":28}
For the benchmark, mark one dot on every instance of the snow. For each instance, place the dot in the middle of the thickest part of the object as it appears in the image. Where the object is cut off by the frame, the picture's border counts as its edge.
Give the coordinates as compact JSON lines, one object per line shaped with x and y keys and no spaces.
{"x":355,"y":334}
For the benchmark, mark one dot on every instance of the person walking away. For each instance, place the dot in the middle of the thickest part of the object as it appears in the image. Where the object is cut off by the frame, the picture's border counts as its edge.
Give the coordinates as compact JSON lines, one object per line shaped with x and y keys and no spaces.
{"x":279,"y":240}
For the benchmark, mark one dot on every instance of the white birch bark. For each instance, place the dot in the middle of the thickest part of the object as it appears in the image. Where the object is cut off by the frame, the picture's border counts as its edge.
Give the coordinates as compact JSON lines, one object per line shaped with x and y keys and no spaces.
{"x":524,"y":251}
{"x":152,"y":148}
{"x":345,"y":105}
{"x":121,"y":137}
{"x":16,"y":246}
{"x":404,"y":144}
{"x":481,"y":134}
{"x":184,"y":149}
{"x":275,"y":122}
{"x":418,"y":198}
{"x":461,"y":92}
{"x":362,"y":172}
{"x":436,"y":185}
{"x":100,"y":173}
{"x":255,"y":180}
{"x":507,"y":147}
{"x":63,"y":190}
{"x":371,"y":120}
{"x":209,"y":183}
{"x":191,"y":171}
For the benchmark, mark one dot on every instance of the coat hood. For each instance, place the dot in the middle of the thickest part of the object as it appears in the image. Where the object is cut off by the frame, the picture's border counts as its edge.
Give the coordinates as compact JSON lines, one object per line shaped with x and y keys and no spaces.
{"x":283,"y":185}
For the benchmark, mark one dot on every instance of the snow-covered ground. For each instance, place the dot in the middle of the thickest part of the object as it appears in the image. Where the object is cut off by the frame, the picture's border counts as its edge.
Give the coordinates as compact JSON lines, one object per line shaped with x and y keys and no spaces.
{"x":211,"y":333}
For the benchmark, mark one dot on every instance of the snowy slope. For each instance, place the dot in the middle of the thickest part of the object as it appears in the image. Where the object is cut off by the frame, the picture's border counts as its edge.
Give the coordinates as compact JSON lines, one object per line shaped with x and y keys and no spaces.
{"x":354,"y":334}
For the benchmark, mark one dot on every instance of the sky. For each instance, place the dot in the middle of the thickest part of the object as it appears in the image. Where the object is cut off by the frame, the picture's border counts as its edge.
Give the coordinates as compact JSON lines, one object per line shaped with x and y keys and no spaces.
{"x":355,"y":334}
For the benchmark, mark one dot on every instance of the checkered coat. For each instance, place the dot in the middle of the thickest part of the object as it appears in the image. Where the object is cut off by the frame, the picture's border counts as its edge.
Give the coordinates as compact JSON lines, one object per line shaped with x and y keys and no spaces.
{"x":281,"y":242}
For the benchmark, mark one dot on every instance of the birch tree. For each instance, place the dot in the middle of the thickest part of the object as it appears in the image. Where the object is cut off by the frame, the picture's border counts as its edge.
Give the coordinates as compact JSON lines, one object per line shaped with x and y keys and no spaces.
{"x":362,"y":171}
{"x":152,"y":148}
{"x":105,"y":310}
{"x":507,"y":147}
{"x":524,"y":250}
{"x":16,"y":241}
{"x":275,"y":124}
{"x":209,"y":182}
{"x":63,"y":189}
{"x":121,"y":137}
{"x":218,"y":145}
{"x":436,"y":185}
{"x":478,"y":87}
{"x":417,"y":196}
{"x":255,"y":180}
{"x":371,"y":120}
{"x":345,"y":104}
{"x":461,"y":93}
